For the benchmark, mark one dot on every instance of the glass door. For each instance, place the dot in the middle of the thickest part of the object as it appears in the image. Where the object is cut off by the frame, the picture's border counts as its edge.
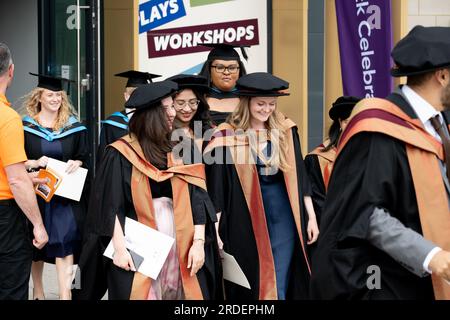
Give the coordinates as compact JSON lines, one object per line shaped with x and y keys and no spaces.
{"x":69,"y":49}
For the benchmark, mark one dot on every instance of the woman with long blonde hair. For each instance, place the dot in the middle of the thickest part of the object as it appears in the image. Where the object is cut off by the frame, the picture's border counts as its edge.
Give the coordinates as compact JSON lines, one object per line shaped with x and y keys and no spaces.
{"x":261,"y":191}
{"x":53,"y":131}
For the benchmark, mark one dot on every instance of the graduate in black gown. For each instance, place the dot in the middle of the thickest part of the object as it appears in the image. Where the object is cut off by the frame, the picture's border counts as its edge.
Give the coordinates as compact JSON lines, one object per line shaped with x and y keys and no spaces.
{"x":386,"y":221}
{"x":116,"y":125}
{"x":139,"y":178}
{"x":192,"y":124}
{"x":259,"y":185}
{"x":223,"y":68}
{"x":53,"y":131}
{"x":319,"y":162}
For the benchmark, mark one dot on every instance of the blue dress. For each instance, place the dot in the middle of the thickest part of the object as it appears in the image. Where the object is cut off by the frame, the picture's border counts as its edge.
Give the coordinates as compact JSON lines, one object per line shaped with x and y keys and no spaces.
{"x":59,"y":219}
{"x":280,"y":222}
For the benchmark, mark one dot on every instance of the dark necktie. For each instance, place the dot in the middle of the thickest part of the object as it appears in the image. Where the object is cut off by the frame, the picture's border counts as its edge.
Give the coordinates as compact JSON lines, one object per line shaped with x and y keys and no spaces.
{"x":437,"y":125}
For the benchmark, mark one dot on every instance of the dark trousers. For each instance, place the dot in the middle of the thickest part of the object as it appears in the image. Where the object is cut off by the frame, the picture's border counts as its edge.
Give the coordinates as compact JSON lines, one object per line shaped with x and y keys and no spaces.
{"x":15,"y":252}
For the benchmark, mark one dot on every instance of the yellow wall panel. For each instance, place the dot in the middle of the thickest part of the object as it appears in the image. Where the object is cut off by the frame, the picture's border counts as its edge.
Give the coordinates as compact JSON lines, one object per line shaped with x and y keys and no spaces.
{"x":333,"y":77}
{"x":119,"y":50}
{"x":290,"y":59}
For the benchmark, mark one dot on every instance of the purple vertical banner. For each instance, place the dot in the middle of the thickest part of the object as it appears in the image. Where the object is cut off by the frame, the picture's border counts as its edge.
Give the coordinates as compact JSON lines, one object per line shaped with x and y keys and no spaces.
{"x":365,"y":43}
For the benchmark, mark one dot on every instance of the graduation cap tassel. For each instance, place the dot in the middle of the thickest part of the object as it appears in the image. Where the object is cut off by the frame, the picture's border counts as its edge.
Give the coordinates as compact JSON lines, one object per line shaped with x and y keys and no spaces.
{"x":244,"y":53}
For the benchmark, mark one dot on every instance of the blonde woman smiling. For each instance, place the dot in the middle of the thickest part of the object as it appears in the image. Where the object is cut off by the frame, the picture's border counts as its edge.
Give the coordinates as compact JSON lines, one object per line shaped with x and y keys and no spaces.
{"x":53,"y":131}
{"x":264,"y":203}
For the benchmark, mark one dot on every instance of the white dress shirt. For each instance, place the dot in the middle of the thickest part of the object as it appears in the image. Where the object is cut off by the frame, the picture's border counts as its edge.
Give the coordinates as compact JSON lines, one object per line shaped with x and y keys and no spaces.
{"x":425,"y":112}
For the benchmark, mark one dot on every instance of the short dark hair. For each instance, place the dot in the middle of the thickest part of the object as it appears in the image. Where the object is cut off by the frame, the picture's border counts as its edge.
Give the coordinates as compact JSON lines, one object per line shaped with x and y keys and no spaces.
{"x":5,"y":58}
{"x":419,"y":79}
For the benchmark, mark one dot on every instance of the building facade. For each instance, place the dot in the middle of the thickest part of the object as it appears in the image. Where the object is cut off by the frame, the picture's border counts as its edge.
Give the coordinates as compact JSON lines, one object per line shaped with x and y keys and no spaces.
{"x":89,"y":41}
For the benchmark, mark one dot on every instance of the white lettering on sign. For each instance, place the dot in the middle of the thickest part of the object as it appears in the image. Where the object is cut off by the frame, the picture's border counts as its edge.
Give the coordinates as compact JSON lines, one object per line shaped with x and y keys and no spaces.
{"x":160,"y":11}
{"x":173,"y":6}
{"x":365,"y":28}
{"x":185,"y":40}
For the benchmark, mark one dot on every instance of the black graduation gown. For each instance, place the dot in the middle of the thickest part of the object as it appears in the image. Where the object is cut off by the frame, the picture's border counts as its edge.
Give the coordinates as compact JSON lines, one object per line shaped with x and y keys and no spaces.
{"x":112,"y":193}
{"x":218,"y":117}
{"x":113,"y":128}
{"x":236,"y":231}
{"x":317,"y":185}
{"x":74,"y":142}
{"x":194,"y":147}
{"x":375,"y":172}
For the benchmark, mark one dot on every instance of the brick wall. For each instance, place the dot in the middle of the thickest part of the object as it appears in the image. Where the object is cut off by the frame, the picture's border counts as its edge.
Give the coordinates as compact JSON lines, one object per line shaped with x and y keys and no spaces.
{"x":428,"y":13}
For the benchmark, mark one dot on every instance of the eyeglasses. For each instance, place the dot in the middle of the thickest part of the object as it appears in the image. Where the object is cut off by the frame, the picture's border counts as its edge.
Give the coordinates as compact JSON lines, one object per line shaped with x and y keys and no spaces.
{"x":180,"y":104}
{"x":221,"y":68}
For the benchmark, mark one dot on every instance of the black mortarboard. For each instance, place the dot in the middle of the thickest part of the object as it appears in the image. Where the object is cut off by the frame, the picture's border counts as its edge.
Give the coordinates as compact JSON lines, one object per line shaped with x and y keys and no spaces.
{"x":149,"y":95}
{"x":51,"y":83}
{"x":137,"y":78}
{"x":189,"y":81}
{"x":225,"y":51}
{"x":342,"y":107}
{"x":261,"y":84}
{"x":422,"y":50}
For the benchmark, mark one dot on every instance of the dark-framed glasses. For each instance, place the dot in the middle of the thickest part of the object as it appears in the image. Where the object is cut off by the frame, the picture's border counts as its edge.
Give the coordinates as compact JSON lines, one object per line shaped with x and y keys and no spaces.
{"x":221,"y":68}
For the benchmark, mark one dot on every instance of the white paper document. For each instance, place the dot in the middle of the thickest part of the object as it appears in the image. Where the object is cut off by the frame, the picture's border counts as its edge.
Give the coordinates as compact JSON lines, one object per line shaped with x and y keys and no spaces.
{"x":72,"y":184}
{"x":232,"y":271}
{"x":152,"y":245}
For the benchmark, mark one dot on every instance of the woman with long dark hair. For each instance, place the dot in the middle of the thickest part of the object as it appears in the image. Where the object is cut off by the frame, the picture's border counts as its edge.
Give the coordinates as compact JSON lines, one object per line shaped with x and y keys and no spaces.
{"x":139,"y":178}
{"x":319,"y":162}
{"x":192,"y":118}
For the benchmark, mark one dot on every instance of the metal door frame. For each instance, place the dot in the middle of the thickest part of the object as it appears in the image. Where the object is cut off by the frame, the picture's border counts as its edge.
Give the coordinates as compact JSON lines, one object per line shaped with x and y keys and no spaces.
{"x":94,"y":65}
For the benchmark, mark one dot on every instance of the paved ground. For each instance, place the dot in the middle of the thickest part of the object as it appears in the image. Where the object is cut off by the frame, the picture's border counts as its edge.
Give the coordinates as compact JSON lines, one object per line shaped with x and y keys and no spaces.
{"x":50,"y":283}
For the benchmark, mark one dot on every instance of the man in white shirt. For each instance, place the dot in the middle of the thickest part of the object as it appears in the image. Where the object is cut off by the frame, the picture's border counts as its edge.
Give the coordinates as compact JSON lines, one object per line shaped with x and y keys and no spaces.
{"x":388,"y":206}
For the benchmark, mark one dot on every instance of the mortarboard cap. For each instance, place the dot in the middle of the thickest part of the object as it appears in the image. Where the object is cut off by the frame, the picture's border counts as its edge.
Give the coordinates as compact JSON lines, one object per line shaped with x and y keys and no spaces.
{"x":342,"y":107}
{"x":422,"y":50}
{"x":137,"y":78}
{"x":51,"y":83}
{"x":149,"y":95}
{"x":261,"y":84}
{"x":189,"y":81}
{"x":225,"y":51}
